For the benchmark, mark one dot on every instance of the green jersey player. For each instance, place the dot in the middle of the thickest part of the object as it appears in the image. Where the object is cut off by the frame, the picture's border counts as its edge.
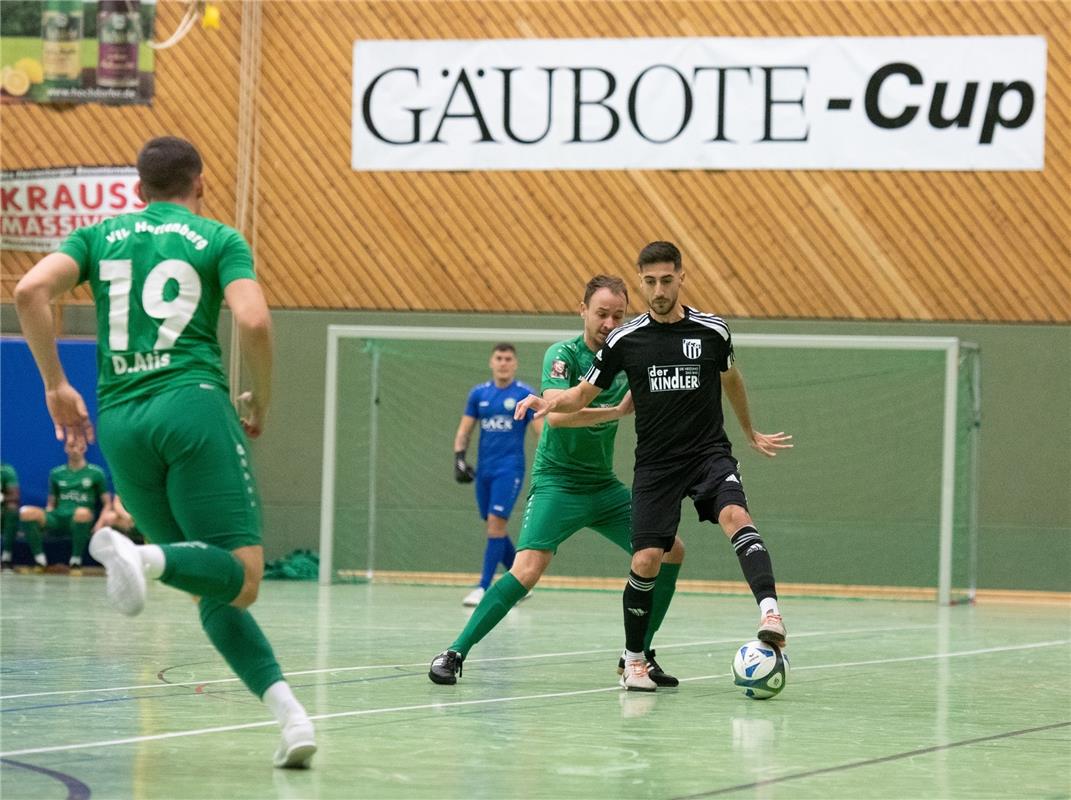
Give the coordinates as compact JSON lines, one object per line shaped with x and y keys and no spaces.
{"x":9,"y":512}
{"x":177,"y":449}
{"x":75,"y":491}
{"x":573,"y":485}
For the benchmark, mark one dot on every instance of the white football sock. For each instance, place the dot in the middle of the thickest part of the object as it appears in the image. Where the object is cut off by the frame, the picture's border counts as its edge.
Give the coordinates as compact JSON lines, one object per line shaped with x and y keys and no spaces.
{"x":152,"y":558}
{"x":280,"y":700}
{"x":768,"y":606}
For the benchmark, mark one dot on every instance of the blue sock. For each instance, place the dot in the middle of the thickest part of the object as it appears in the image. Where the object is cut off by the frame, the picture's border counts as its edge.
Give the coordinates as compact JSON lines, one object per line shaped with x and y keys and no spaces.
{"x":491,"y":558}
{"x":508,"y":556}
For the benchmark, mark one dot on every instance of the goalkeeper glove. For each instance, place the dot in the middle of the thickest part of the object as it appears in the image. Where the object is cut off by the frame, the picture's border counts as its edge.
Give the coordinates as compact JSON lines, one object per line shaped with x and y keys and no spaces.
{"x":463,"y":473}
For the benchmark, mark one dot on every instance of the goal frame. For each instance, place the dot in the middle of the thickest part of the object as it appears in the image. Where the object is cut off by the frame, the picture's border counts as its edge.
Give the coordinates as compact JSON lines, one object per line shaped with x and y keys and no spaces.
{"x":951,"y":346}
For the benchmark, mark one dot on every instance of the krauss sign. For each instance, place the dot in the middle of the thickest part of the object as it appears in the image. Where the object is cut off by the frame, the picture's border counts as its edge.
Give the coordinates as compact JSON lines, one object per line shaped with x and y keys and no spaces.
{"x":41,"y":206}
{"x":930,"y":103}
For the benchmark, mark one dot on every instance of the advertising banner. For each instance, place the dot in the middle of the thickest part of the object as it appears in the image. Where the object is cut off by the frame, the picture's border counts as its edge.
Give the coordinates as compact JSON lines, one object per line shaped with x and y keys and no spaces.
{"x":70,"y":51}
{"x":39,"y":207}
{"x":851,"y":103}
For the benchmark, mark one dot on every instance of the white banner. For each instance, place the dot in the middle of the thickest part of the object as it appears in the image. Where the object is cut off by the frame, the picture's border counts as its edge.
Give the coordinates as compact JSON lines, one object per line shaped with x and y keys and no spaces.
{"x":41,"y":206}
{"x":919,"y":103}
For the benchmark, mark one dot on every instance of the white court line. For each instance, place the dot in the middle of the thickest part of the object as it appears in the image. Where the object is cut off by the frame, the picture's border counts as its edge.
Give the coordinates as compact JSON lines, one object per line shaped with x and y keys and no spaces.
{"x":983,"y":651}
{"x":487,"y":701}
{"x":329,"y":670}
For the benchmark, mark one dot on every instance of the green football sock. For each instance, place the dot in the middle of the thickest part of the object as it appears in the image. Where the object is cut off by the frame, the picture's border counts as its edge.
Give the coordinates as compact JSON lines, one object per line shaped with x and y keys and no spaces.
{"x":79,"y":539}
{"x":238,"y":638}
{"x":664,"y":588}
{"x":497,"y":601}
{"x":9,"y":523}
{"x":202,"y":570}
{"x":34,"y":538}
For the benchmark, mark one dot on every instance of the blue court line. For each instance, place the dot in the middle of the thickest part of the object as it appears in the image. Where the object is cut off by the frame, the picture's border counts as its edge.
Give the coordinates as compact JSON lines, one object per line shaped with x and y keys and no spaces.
{"x":70,"y":705}
{"x":76,"y":790}
{"x":238,"y":690}
{"x":751,"y":787}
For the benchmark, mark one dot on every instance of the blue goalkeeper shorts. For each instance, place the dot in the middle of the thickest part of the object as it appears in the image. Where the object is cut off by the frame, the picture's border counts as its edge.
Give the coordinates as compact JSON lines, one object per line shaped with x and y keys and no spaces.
{"x":497,"y":492}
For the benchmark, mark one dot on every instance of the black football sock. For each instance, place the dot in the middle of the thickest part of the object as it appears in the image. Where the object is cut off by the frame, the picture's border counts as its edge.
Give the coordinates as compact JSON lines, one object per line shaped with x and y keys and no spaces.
{"x":637,"y":599}
{"x":755,"y":562}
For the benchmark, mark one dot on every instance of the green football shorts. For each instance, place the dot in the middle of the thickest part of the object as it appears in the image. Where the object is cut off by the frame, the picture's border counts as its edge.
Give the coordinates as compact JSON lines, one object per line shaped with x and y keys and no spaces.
{"x":180,"y":461}
{"x":553,"y":514}
{"x":59,"y":521}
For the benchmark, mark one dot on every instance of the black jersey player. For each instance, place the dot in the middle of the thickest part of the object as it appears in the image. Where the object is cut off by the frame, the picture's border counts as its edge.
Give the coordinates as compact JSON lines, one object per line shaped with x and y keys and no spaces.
{"x":678,"y":362}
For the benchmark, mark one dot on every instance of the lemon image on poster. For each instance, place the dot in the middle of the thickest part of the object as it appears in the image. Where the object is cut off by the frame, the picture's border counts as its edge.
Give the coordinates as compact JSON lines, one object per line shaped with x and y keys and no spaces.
{"x":15,"y":82}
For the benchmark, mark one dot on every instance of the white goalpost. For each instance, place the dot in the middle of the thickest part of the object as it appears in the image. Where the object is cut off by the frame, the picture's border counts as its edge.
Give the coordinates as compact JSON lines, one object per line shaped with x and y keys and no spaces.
{"x":952,"y":349}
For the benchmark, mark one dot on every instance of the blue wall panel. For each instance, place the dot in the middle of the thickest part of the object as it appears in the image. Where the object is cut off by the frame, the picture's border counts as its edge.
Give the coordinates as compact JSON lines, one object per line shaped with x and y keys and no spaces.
{"x":27,"y":437}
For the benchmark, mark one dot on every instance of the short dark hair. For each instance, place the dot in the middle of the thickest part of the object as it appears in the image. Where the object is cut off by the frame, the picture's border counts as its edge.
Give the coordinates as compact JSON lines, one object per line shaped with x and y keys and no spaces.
{"x":504,"y":347}
{"x":614,"y":284}
{"x":659,"y":253}
{"x":167,"y":167}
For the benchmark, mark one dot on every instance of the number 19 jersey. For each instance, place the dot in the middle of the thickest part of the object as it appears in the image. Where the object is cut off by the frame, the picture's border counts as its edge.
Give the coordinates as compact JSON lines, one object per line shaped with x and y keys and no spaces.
{"x":157,"y":279}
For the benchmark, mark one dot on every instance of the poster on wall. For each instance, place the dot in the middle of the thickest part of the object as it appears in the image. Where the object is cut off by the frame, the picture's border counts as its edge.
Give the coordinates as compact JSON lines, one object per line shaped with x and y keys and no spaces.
{"x":851,"y":102}
{"x":70,"y":51}
{"x":39,"y":207}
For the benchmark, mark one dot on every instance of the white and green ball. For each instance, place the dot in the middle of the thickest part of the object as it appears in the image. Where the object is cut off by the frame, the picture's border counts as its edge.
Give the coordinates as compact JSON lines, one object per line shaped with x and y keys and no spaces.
{"x":760,"y":669}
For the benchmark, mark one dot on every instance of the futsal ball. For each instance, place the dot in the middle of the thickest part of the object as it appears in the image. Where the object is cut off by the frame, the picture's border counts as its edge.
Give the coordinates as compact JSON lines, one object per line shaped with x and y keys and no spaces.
{"x":760,"y":669}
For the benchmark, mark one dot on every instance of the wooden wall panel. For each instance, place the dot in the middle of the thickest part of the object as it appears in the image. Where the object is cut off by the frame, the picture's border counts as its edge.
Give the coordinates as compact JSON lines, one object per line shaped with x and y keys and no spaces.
{"x":196,"y":97}
{"x":861,"y":245}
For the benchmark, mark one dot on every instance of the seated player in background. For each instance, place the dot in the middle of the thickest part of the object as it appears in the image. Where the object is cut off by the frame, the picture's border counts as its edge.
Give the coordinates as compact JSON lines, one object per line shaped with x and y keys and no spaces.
{"x":499,"y":472}
{"x":9,"y":512}
{"x":573,"y":486}
{"x":119,"y":519}
{"x":75,"y":491}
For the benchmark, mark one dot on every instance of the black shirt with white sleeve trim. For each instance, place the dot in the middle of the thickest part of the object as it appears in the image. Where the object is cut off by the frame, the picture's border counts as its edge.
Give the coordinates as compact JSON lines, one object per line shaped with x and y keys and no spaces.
{"x":674,"y":371}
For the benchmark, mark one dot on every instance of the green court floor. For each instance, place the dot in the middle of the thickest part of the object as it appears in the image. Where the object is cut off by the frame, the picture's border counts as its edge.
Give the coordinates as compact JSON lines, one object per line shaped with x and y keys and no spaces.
{"x":887,"y":699}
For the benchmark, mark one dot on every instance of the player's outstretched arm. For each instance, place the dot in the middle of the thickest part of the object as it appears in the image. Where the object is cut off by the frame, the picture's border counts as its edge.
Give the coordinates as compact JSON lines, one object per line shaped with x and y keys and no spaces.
{"x":50,"y":277}
{"x":732,"y":382}
{"x":588,"y":416}
{"x":250,"y":309}
{"x":568,"y":401}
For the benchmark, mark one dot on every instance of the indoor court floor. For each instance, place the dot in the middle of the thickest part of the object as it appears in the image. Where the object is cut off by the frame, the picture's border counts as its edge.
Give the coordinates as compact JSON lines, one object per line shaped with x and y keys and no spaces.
{"x":886,"y":699}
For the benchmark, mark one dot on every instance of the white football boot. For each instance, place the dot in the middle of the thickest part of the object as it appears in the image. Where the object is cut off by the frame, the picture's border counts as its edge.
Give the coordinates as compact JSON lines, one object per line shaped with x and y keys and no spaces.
{"x":125,"y":572}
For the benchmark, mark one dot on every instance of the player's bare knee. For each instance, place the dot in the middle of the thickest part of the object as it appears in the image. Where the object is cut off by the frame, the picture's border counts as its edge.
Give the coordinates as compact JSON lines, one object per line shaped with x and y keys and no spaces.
{"x":32,"y":514}
{"x":529,"y":566}
{"x":247,"y":596}
{"x":82,"y":514}
{"x":646,"y":562}
{"x":733,"y":518}
{"x":496,"y":526}
{"x":675,"y":555}
{"x":250,"y":588}
{"x":252,"y":561}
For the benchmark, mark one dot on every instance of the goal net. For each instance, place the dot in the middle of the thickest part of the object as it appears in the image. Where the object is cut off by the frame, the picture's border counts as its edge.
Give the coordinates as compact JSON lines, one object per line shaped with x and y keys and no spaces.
{"x":880,"y":489}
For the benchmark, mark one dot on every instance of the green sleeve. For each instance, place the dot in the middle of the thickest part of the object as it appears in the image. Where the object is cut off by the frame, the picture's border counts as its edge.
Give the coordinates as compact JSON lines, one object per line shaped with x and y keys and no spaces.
{"x":559,"y":368}
{"x":76,"y":245}
{"x":235,"y":259}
